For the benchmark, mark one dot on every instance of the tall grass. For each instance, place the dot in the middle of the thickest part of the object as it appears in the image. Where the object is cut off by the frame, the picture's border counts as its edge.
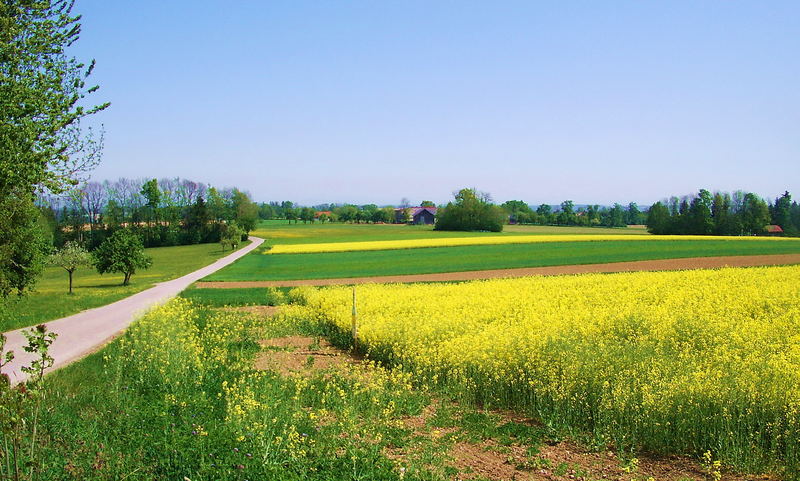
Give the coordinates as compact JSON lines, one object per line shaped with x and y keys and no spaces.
{"x":177,"y":397}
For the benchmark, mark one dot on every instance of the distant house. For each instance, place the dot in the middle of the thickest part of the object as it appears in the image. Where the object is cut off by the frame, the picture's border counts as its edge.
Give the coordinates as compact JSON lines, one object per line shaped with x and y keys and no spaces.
{"x":320,"y":213}
{"x":773,"y":230}
{"x":417,"y":215}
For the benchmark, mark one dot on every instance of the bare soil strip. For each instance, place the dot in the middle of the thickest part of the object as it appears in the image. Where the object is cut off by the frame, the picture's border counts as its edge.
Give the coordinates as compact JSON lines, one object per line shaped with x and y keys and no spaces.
{"x":650,"y":265}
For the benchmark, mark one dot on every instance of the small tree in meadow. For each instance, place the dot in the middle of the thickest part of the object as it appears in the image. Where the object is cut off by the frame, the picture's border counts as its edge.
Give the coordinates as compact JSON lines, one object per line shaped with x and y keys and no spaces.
{"x":123,"y":252}
{"x":232,"y":236}
{"x":70,"y":258}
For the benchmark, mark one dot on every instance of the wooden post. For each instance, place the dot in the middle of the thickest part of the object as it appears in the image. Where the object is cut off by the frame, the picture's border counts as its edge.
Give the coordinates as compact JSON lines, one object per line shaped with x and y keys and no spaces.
{"x":355,"y":319}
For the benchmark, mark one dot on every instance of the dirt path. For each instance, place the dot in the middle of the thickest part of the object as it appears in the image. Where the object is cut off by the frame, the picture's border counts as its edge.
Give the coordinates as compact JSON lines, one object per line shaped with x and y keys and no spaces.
{"x":82,"y":333}
{"x":651,"y":265}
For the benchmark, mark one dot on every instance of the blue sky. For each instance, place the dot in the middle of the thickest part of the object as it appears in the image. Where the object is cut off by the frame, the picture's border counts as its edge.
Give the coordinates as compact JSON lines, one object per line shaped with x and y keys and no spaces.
{"x":373,"y":101}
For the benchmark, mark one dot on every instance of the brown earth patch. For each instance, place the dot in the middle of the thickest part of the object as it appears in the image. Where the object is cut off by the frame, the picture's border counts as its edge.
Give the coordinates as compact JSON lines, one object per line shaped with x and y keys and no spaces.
{"x":567,"y":461}
{"x":632,"y":266}
{"x":564,"y":460}
{"x":300,"y":354}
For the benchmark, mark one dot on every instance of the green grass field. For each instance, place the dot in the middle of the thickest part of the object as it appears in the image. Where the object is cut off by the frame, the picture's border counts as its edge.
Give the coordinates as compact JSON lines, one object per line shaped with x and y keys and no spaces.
{"x":239,"y":296}
{"x":50,"y":299}
{"x":280,"y":232}
{"x":256,"y":267}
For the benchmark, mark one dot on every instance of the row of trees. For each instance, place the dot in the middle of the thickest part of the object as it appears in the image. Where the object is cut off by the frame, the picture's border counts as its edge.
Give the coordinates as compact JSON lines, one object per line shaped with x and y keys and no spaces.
{"x":328,"y":213}
{"x":721,"y":213}
{"x":122,"y":253}
{"x":520,"y":212}
{"x":333,"y":212}
{"x":163,"y":212}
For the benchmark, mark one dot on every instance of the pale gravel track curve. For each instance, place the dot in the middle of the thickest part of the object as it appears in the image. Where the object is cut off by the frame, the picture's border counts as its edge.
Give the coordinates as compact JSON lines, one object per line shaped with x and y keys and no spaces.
{"x":629,"y":266}
{"x":83,"y":333}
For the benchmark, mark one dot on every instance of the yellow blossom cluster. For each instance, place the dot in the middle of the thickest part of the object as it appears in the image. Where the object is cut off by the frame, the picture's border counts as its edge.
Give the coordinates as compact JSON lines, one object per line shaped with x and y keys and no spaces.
{"x":678,"y":361}
{"x":167,"y":348}
{"x":498,"y":239}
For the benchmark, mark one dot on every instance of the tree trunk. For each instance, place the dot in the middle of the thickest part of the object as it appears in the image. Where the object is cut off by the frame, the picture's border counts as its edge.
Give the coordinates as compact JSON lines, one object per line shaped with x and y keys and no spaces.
{"x":70,"y":282}
{"x":127,"y":279}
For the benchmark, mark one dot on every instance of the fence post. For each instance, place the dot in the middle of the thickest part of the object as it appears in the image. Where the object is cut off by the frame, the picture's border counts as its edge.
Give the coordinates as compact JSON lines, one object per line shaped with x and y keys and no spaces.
{"x":355,"y":319}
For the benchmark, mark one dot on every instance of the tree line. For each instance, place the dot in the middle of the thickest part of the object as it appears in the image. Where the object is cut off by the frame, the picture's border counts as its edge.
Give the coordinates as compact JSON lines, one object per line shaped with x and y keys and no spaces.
{"x":366,"y":213}
{"x":520,"y":212}
{"x":165,"y":212}
{"x":721,"y":213}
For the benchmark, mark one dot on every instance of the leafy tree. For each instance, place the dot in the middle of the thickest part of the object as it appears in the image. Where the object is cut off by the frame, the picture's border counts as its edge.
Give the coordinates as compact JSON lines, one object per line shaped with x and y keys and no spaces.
{"x":633,"y":215}
{"x":782,"y":212}
{"x":291,"y":214}
{"x":197,"y":219}
{"x":216,"y":206}
{"x":724,"y":221}
{"x":347,"y":213}
{"x":245,"y":210}
{"x":307,"y":214}
{"x":615,"y":216}
{"x":545,"y":211}
{"x":122,"y":253}
{"x":755,"y":214}
{"x":593,"y":214}
{"x":567,"y":214}
{"x":658,"y":219}
{"x":152,"y":193}
{"x":43,"y":89}
{"x":427,"y":203}
{"x":24,"y":243}
{"x":266,"y":211}
{"x":471,"y":211}
{"x":698,"y":220}
{"x":231,"y":236}
{"x":384,"y":215}
{"x":70,"y":258}
{"x":42,"y":143}
{"x":517,"y":210}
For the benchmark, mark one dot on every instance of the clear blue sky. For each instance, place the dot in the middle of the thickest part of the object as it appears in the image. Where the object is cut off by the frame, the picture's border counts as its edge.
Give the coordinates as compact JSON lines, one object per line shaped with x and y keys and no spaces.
{"x":372,"y":101}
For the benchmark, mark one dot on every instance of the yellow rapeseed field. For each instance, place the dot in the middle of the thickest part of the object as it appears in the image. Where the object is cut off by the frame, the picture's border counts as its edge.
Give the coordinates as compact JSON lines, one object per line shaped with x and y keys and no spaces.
{"x":676,"y":362}
{"x":495,"y":240}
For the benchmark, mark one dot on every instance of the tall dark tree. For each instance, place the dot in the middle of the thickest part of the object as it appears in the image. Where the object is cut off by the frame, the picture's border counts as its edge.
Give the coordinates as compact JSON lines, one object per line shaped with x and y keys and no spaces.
{"x":633,"y":214}
{"x":615,"y":216}
{"x":755,"y":214}
{"x":658,"y":219}
{"x":197,"y":220}
{"x":724,"y":220}
{"x":782,"y":212}
{"x":698,"y":219}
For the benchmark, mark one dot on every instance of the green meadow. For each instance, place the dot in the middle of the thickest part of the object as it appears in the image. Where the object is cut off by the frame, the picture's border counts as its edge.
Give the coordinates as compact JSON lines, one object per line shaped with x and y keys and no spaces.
{"x":256,"y":266}
{"x":50,"y":299}
{"x":237,"y":296}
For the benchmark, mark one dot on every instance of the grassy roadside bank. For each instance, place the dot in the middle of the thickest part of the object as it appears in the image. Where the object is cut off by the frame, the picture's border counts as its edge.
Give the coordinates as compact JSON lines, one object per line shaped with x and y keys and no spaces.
{"x":50,"y":299}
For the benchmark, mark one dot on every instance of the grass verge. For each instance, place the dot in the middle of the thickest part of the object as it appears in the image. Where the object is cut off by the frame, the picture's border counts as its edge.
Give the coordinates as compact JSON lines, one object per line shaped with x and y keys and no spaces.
{"x":50,"y":299}
{"x":243,"y":296}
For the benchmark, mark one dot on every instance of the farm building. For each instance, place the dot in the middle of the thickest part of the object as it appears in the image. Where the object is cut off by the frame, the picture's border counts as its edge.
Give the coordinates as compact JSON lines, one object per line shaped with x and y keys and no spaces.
{"x":417,"y":215}
{"x":773,"y":230}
